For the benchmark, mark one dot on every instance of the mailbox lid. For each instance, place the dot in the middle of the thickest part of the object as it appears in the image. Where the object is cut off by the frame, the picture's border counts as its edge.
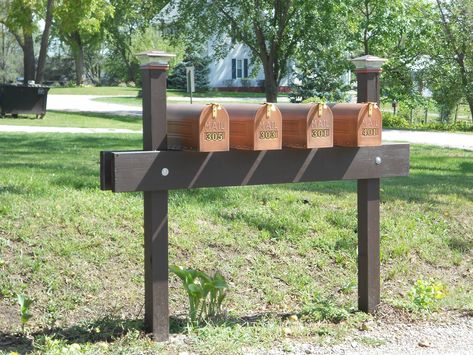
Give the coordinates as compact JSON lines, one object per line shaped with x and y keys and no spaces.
{"x":357,"y":125}
{"x":198,"y":127}
{"x":255,"y":126}
{"x":307,"y":125}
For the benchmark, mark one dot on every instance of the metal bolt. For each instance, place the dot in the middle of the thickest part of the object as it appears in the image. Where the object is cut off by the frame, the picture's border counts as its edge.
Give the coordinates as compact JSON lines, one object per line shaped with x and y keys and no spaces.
{"x":165,"y":172}
{"x":378,"y":160}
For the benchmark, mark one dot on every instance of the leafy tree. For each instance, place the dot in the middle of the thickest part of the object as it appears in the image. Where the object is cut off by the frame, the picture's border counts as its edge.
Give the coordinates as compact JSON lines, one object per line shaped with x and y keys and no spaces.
{"x":321,"y":59}
{"x":178,"y":78}
{"x":131,"y":18}
{"x":151,"y":38}
{"x":21,"y":18}
{"x":272,"y":29}
{"x":456,"y":50}
{"x":79,"y":24}
{"x":9,"y":52}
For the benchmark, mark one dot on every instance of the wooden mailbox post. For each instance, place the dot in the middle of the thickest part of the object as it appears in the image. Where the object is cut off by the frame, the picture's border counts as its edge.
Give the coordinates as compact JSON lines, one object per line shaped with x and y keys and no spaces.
{"x":156,"y":170}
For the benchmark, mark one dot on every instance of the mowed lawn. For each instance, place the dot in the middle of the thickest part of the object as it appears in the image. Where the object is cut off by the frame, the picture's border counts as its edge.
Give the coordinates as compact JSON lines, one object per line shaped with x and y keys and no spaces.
{"x":77,"y":119}
{"x":287,"y":249}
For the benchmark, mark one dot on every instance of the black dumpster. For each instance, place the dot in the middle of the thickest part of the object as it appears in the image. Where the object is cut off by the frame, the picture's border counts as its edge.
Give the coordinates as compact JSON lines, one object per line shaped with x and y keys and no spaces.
{"x":23,"y":99}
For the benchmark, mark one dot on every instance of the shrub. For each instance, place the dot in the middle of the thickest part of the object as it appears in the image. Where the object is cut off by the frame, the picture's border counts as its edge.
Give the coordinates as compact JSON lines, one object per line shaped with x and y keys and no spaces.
{"x":394,"y":121}
{"x":424,"y":294}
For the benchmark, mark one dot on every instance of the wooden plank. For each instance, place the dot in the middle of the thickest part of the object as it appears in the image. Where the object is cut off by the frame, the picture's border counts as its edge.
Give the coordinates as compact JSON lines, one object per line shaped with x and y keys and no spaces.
{"x":143,"y":171}
{"x":155,"y":208}
{"x":368,"y":245}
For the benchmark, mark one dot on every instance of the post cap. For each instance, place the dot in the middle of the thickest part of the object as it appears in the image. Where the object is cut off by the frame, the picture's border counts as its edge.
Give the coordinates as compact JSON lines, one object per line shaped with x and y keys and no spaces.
{"x":155,"y":58}
{"x":368,"y":62}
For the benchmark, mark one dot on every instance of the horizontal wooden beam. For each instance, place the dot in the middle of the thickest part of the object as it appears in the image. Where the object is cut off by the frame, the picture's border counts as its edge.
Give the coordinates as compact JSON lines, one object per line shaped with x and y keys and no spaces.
{"x":167,"y":170}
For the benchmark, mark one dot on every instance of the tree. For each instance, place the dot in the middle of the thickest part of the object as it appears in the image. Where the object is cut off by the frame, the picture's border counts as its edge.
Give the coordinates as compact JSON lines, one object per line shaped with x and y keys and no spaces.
{"x":456,"y":23}
{"x":272,"y":29}
{"x":151,"y":38}
{"x":79,"y":23}
{"x":130,"y":19}
{"x":375,"y":22}
{"x":178,"y":77}
{"x":9,"y":52}
{"x":21,"y":18}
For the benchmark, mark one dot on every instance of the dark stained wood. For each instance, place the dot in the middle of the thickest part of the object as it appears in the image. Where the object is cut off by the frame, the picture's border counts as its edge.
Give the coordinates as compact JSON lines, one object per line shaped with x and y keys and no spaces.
{"x":255,"y":127}
{"x":203,"y":128}
{"x":306,"y":126}
{"x":142,"y":171}
{"x":368,"y":245}
{"x":356,"y":125}
{"x":155,"y":208}
{"x":368,"y":85}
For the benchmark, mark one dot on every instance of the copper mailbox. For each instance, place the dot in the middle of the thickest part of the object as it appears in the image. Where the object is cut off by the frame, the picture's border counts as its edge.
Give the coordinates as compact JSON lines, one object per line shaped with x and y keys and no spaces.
{"x":204,"y":128}
{"x":356,"y":125}
{"x":255,"y":127}
{"x":306,"y":126}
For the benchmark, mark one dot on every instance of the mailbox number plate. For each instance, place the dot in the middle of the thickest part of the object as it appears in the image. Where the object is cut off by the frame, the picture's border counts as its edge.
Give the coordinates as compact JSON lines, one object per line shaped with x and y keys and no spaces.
{"x":214,"y":136}
{"x":273,"y":134}
{"x":370,"y":132}
{"x":319,"y":133}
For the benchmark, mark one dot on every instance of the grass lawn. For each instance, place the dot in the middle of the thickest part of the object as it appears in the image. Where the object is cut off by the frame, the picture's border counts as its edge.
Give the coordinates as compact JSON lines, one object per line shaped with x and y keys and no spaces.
{"x":129,"y":91}
{"x":82,"y":119}
{"x":94,"y":90}
{"x":286,"y":249}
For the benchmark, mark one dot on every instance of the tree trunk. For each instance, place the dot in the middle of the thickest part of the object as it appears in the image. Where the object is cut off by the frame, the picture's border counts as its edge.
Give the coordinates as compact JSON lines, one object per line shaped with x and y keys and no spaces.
{"x":78,"y":49}
{"x":270,"y":82}
{"x":43,"y":52}
{"x":469,"y":99}
{"x":28,"y":58}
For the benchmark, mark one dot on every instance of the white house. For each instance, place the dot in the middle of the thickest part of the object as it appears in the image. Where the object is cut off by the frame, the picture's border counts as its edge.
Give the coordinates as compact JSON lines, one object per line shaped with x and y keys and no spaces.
{"x":236,"y":69}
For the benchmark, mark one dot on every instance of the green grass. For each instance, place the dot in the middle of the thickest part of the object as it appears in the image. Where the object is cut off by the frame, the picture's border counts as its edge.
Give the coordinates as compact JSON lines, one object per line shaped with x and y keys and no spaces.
{"x":285,"y":249}
{"x":94,"y":90}
{"x":130,"y":91}
{"x":82,"y":119}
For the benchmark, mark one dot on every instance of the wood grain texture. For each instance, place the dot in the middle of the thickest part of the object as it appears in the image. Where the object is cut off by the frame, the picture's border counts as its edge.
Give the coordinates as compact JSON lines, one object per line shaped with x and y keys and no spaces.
{"x":142,"y":171}
{"x":355,"y":127}
{"x":197,"y":127}
{"x":255,"y":127}
{"x":306,"y":126}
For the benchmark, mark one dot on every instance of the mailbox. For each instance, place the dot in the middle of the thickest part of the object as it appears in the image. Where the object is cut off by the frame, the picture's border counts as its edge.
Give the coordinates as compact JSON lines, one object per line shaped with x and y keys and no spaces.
{"x":204,"y":128}
{"x":306,"y":126}
{"x":356,"y":125}
{"x":255,"y":127}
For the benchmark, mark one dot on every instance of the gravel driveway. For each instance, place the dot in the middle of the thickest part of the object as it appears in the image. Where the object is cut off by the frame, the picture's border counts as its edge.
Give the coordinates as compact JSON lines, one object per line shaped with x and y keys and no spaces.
{"x":455,"y":337}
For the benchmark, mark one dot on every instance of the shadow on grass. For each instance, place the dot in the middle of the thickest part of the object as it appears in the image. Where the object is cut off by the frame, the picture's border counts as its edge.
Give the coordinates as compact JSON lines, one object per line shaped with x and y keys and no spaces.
{"x":109,"y":329}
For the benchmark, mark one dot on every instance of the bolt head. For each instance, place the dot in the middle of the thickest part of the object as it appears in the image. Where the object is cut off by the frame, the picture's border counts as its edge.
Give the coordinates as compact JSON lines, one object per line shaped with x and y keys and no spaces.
{"x":165,"y":172}
{"x":378,"y":160}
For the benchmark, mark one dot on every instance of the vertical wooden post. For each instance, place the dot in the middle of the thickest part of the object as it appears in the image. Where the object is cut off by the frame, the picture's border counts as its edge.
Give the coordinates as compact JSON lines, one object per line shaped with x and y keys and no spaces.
{"x":368,"y":71}
{"x":155,"y":205}
{"x":368,"y":245}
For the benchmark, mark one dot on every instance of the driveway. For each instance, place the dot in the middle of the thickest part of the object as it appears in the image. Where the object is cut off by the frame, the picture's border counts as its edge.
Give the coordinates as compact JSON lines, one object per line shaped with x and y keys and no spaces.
{"x":86,"y":103}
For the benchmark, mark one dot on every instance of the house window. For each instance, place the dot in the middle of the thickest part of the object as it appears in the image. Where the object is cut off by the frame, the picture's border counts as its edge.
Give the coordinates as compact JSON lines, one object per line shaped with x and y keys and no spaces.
{"x":240,"y":68}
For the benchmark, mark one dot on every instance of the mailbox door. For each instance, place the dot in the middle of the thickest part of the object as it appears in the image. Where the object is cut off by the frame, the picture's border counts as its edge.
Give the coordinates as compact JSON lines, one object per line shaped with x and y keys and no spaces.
{"x":319,"y":127}
{"x":214,"y":128}
{"x":268,"y":128}
{"x":369,"y":126}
